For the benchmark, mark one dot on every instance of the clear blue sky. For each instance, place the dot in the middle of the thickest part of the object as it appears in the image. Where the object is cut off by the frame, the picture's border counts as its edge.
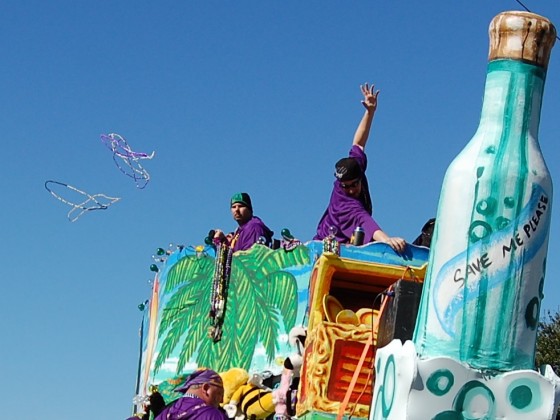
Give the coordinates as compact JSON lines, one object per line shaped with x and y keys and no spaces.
{"x":233,"y":96}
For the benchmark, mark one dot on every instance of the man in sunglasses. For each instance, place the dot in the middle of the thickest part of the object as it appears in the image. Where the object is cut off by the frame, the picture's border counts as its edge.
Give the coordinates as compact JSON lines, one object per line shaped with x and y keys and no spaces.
{"x":203,"y":393}
{"x":350,"y":204}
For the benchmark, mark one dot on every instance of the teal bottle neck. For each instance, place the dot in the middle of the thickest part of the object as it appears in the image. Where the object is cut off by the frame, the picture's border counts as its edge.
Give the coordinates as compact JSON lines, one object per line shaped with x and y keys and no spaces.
{"x":513,"y":97}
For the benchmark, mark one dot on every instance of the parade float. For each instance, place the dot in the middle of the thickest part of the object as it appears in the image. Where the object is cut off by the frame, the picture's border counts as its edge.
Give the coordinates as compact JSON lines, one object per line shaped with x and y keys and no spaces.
{"x":234,"y":313}
{"x":441,"y":333}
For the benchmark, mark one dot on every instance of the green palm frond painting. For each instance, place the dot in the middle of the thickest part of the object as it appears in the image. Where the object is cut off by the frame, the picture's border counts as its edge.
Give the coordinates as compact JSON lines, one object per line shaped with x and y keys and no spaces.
{"x":262,"y":302}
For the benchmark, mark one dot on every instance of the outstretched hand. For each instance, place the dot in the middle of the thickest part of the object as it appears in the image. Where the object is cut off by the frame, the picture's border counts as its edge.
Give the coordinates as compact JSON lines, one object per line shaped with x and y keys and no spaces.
{"x":398,"y":244}
{"x":370,"y":97}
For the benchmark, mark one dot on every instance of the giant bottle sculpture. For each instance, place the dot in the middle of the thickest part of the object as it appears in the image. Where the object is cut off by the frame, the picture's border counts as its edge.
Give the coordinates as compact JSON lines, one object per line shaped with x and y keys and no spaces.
{"x":484,"y":284}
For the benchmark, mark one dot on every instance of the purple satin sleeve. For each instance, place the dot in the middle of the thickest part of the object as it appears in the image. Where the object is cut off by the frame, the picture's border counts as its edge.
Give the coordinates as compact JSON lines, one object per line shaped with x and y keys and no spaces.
{"x":370,"y":226}
{"x":357,"y":153}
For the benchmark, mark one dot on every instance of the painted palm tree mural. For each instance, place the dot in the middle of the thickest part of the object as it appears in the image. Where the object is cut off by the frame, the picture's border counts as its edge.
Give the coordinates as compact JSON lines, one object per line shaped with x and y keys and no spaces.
{"x":262,"y":305}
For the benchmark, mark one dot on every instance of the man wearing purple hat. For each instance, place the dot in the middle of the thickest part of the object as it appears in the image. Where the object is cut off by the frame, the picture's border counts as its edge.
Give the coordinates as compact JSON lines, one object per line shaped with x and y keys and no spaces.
{"x":204,"y":391}
{"x":350,"y":204}
{"x":250,"y":228}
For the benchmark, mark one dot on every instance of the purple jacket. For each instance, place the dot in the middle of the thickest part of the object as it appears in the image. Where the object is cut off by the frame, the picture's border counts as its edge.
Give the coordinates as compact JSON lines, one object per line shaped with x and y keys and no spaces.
{"x":245,"y":236}
{"x":346,"y":213}
{"x":189,"y":408}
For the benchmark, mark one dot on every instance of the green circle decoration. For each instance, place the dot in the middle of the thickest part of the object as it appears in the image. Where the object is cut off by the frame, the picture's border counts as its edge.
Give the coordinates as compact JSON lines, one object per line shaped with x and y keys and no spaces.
{"x":524,"y":395}
{"x":520,"y":397}
{"x":487,"y":230}
{"x":389,"y":385}
{"x":448,"y":415}
{"x":440,"y":382}
{"x":378,"y":413}
{"x":486,"y":207}
{"x":474,"y":391}
{"x":509,"y":202}
{"x":502,"y":222}
{"x":491,"y":150}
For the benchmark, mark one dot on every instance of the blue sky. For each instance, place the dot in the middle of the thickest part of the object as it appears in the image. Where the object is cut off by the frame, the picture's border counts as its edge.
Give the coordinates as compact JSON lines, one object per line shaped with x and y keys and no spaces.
{"x":233,"y":96}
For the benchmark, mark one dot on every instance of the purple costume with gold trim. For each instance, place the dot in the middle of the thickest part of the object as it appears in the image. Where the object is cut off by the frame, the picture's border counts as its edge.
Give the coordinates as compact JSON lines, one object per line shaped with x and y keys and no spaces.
{"x":346,"y":213}
{"x":191,"y":408}
{"x":249,"y":234}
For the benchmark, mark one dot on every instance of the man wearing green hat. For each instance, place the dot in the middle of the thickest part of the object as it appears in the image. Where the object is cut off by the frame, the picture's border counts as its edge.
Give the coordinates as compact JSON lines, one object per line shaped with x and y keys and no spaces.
{"x":251,"y":228}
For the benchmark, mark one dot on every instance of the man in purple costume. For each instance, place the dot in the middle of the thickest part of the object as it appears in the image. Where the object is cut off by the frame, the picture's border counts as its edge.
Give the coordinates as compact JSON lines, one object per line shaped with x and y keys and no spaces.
{"x":250,"y":229}
{"x":350,"y":204}
{"x":204,"y":391}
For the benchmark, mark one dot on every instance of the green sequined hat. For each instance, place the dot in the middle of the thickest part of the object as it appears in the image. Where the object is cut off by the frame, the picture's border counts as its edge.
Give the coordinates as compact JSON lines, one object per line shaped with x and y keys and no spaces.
{"x":242,"y":198}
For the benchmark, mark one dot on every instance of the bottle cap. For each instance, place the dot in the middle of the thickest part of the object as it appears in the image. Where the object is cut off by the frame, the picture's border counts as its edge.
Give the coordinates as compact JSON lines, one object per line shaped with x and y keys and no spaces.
{"x":521,"y":36}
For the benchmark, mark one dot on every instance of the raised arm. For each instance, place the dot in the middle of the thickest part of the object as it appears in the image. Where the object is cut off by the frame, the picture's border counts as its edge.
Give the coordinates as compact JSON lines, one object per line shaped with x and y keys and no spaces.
{"x":370,"y":104}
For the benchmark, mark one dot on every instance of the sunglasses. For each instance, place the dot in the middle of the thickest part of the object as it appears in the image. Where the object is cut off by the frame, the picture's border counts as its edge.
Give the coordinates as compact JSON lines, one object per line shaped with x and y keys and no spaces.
{"x":350,"y":185}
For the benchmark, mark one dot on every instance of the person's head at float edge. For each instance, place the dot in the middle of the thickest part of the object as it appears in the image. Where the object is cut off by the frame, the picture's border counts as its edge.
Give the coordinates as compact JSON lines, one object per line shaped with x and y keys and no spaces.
{"x":241,"y":208}
{"x":349,"y":176}
{"x":205,"y":384}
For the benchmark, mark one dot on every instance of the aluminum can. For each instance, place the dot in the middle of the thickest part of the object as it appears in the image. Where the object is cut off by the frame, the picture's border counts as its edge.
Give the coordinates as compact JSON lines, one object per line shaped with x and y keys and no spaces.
{"x":358,"y":236}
